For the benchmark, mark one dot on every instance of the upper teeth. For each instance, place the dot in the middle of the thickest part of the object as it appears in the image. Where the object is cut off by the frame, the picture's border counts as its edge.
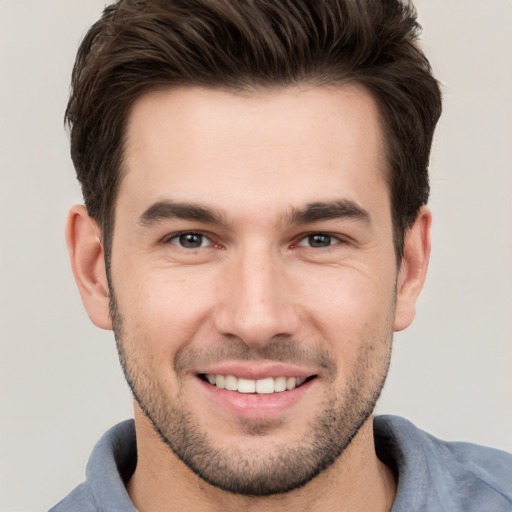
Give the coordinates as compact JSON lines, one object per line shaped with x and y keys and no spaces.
{"x":268,"y":385}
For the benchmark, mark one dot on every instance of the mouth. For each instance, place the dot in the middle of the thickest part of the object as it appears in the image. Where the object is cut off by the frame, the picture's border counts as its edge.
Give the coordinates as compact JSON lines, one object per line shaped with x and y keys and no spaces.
{"x":265,"y":386}
{"x":257,"y":392}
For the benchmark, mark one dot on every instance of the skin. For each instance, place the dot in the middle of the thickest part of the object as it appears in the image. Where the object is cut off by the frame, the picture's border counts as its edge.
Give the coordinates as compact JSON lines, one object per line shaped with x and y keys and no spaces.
{"x":256,"y":284}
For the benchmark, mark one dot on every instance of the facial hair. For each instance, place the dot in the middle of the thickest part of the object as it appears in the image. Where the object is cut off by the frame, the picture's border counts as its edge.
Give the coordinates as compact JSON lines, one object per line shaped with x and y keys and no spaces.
{"x":253,"y":472}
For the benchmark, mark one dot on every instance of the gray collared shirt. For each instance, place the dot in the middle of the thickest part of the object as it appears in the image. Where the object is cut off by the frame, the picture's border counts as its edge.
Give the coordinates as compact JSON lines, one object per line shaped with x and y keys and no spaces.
{"x":433,"y":475}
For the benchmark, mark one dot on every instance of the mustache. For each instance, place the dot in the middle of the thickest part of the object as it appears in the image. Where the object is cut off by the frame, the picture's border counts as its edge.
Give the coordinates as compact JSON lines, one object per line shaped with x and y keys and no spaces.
{"x":278,"y":349}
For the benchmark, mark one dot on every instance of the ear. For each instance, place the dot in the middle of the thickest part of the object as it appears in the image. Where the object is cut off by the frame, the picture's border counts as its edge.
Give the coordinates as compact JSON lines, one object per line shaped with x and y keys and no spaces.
{"x":88,"y":264}
{"x":413,"y":269}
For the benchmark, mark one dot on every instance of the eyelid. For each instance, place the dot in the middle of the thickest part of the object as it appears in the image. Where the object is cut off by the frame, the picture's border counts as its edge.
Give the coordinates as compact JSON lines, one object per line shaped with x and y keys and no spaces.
{"x":171,"y":237}
{"x":337,"y":237}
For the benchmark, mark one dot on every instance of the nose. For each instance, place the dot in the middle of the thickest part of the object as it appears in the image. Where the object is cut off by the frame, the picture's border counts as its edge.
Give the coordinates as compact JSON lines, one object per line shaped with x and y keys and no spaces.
{"x":256,"y":299}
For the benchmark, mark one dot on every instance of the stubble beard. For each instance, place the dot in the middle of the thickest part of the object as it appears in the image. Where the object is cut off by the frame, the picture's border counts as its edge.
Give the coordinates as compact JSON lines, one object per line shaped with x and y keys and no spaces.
{"x":253,"y":472}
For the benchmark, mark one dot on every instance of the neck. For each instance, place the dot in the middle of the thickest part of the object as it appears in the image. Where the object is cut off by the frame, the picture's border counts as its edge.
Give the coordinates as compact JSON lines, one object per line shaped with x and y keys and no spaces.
{"x":357,"y":481}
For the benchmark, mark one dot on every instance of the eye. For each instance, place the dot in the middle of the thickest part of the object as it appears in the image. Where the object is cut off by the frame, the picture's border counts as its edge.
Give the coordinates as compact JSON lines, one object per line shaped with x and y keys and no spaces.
{"x":318,"y":241}
{"x":189,"y":240}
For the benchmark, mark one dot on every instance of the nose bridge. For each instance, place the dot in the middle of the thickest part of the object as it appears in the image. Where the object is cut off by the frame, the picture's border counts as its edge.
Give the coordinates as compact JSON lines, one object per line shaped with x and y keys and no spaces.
{"x":257,"y":304}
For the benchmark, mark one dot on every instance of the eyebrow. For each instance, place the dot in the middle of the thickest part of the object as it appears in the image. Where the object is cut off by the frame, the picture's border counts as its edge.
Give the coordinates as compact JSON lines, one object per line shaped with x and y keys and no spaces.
{"x":164,"y":210}
{"x":339,"y":209}
{"x":312,"y":212}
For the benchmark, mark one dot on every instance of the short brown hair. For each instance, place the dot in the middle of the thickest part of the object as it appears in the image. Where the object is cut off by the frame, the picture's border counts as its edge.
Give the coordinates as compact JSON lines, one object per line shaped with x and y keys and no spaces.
{"x":139,"y":45}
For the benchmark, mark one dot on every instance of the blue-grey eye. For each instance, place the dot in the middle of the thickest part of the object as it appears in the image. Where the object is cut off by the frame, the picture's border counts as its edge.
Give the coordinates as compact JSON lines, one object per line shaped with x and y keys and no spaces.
{"x":190,"y":240}
{"x":317,"y":241}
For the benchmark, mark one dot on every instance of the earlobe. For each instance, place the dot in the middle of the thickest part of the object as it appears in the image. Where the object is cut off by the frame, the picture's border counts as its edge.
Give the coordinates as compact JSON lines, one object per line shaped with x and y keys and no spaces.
{"x":413,"y":269}
{"x":88,"y":264}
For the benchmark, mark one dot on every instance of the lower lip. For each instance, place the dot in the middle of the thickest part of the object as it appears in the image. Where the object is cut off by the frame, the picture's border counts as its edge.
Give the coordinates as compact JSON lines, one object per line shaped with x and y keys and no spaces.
{"x":253,"y":405}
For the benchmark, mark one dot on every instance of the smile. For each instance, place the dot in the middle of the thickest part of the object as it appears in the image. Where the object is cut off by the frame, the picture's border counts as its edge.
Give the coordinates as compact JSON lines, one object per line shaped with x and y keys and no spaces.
{"x":265,"y":386}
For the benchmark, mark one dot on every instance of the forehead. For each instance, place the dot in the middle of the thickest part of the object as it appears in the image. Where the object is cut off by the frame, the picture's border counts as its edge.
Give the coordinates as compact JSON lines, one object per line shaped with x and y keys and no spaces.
{"x":285,"y":146}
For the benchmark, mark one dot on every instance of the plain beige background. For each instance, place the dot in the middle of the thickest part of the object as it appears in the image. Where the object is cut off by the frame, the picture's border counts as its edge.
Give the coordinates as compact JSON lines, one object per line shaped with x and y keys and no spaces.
{"x":60,"y":384}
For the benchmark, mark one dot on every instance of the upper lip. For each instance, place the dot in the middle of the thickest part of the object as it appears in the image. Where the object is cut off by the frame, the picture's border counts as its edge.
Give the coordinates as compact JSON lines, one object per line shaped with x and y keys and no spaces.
{"x":256,"y":370}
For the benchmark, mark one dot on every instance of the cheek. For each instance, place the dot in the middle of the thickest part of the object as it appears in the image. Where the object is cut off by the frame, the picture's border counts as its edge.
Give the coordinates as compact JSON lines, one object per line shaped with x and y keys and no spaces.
{"x":163,"y":308}
{"x":351,"y":308}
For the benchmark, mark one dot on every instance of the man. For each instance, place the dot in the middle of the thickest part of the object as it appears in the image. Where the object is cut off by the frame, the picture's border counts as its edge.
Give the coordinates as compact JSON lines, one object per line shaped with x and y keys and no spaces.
{"x":254,"y":231}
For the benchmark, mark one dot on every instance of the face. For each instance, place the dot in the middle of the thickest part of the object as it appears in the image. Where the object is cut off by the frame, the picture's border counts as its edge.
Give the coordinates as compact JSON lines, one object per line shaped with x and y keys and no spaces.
{"x":253,"y":278}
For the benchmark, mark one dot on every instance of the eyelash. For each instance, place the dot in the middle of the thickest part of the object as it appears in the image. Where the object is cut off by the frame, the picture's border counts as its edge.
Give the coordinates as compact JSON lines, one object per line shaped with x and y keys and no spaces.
{"x":335,"y":239}
{"x":178,"y":239}
{"x":178,"y":236}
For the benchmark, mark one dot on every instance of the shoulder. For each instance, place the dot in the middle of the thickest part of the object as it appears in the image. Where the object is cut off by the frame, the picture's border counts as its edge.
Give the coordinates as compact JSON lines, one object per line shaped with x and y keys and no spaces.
{"x":110,"y":465}
{"x":454,"y":475}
